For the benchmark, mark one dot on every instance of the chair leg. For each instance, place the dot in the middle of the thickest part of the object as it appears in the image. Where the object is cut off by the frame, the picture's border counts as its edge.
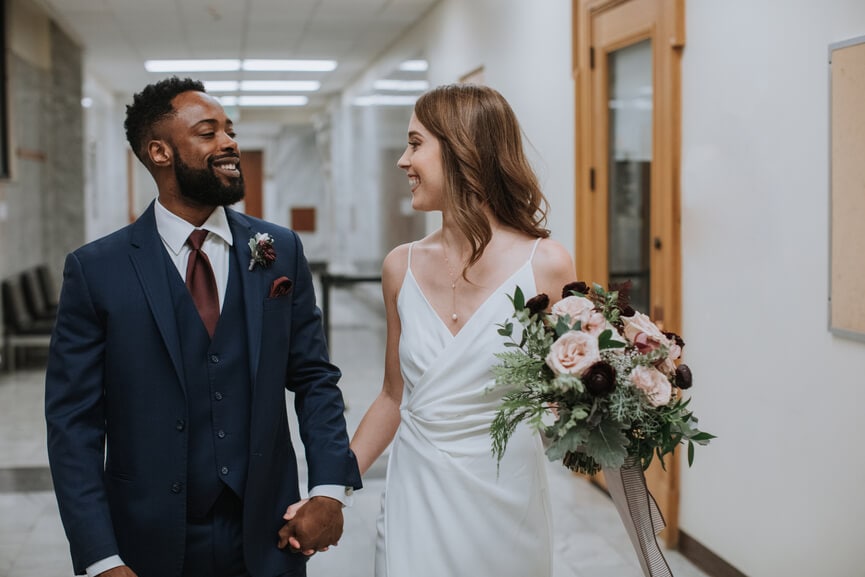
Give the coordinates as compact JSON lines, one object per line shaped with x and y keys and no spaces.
{"x":8,"y":356}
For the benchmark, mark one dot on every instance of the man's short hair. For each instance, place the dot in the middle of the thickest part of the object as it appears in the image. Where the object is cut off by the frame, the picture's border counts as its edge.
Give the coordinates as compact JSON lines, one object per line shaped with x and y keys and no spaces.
{"x":152,"y":105}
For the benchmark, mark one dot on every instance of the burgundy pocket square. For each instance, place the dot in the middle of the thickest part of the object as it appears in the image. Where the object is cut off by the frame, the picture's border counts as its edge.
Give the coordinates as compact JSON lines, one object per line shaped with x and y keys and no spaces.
{"x":280,"y":287}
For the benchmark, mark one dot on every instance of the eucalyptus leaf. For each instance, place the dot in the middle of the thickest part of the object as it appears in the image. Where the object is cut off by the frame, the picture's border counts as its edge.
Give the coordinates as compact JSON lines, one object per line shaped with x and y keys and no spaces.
{"x":606,"y":341}
{"x":562,"y":326}
{"x":519,"y":299}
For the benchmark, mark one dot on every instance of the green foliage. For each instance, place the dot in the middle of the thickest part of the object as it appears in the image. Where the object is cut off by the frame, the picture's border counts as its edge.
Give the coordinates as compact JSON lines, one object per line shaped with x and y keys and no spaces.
{"x":587,"y":432}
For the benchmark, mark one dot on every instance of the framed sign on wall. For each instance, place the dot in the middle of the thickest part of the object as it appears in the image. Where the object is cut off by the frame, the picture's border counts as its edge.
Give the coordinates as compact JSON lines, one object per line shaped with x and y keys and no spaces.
{"x":847,"y":188}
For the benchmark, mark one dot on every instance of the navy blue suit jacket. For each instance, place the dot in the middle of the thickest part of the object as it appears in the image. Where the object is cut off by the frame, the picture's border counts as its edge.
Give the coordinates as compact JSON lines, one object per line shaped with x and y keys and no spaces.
{"x":116,"y":396}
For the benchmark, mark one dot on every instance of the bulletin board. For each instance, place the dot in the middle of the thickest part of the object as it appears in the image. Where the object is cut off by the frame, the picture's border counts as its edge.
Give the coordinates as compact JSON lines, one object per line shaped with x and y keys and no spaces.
{"x":847,"y":188}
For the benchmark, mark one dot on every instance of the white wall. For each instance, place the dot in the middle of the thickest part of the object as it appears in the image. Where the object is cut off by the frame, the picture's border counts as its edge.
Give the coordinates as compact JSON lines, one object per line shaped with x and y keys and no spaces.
{"x":294,"y":178}
{"x":525,"y":49}
{"x":780,"y":491}
{"x":105,"y":188}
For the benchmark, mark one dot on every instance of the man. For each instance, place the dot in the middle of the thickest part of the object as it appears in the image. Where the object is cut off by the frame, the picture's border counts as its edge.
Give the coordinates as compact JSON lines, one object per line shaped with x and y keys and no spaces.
{"x":176,"y":338}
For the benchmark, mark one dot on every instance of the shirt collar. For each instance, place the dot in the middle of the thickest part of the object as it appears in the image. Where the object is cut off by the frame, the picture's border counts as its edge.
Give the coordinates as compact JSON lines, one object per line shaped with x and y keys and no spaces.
{"x":174,"y":230}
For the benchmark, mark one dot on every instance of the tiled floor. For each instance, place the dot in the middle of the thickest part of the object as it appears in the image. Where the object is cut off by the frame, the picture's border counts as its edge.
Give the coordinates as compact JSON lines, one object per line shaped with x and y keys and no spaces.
{"x":589,"y":538}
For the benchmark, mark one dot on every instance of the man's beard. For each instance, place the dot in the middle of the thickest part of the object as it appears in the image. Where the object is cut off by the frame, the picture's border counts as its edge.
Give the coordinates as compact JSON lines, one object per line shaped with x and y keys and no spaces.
{"x":203,"y":186}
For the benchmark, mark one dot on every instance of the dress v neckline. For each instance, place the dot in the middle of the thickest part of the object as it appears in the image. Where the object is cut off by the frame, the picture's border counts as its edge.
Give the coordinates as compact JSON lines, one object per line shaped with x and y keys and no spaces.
{"x":471,"y":317}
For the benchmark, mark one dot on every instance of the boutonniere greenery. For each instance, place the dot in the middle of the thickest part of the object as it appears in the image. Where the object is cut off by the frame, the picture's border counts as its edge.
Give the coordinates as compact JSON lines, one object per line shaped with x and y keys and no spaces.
{"x":261,"y":249}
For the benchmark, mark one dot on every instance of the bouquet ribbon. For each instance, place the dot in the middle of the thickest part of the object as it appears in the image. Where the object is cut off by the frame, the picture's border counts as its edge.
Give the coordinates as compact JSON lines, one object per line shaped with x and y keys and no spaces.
{"x":640,"y":514}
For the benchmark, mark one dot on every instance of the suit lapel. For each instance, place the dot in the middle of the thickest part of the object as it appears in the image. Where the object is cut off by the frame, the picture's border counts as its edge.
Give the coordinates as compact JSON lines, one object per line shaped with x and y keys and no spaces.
{"x":253,"y":283}
{"x":149,"y":263}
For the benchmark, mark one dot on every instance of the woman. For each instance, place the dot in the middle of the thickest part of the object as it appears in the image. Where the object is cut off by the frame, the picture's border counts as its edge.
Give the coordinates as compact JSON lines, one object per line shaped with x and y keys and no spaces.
{"x":447,"y":508}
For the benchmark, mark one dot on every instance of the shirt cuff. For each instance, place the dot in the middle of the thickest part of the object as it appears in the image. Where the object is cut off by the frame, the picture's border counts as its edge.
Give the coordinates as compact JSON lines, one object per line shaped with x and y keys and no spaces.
{"x":342,"y":494}
{"x":104,"y":565}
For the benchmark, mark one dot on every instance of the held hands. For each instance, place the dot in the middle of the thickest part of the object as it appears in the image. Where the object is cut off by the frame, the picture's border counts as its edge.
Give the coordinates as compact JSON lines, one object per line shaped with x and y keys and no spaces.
{"x":313,"y":525}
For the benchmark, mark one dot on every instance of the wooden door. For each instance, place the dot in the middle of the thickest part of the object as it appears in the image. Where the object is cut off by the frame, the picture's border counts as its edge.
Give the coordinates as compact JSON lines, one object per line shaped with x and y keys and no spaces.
{"x":253,"y":177}
{"x":627,"y":59}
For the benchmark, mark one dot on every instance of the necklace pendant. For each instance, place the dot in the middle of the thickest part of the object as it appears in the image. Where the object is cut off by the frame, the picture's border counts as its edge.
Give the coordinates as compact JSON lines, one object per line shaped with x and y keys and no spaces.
{"x":454,"y":317}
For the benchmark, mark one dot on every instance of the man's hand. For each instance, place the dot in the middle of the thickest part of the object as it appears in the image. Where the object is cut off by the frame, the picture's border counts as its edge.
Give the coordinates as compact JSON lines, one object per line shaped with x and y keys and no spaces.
{"x":312,"y":526}
{"x":121,"y":571}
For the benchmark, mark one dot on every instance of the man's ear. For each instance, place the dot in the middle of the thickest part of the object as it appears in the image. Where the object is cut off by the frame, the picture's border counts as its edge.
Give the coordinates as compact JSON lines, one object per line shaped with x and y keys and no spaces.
{"x":159,"y":153}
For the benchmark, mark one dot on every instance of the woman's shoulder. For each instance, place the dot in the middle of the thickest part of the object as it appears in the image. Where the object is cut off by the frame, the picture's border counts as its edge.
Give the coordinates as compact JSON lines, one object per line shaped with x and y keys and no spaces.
{"x":394,"y":268}
{"x":553,"y":266}
{"x":551,"y":254}
{"x":396,"y":259}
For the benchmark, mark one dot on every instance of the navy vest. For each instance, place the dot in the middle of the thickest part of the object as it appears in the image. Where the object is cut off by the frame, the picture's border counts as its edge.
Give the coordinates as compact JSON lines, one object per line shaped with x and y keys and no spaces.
{"x":218,"y":393}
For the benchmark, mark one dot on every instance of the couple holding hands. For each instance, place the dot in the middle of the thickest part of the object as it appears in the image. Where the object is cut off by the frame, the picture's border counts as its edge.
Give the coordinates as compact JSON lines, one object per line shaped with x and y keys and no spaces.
{"x":178,"y":335}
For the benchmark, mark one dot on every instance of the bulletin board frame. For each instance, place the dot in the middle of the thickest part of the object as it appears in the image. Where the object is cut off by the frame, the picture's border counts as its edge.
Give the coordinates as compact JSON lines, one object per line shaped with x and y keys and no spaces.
{"x":847,"y":188}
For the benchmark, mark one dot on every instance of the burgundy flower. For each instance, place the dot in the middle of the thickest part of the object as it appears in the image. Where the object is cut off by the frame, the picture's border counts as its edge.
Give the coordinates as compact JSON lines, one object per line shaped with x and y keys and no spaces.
{"x":624,"y":290}
{"x":267,"y":252}
{"x":575,"y":287}
{"x":600,"y":379}
{"x":538,"y":304}
{"x":261,"y":250}
{"x":628,"y":311}
{"x":684,"y":379}
{"x":676,"y":338}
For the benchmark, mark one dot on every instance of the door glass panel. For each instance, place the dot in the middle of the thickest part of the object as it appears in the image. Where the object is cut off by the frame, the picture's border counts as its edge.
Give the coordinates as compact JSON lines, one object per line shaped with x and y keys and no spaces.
{"x":630,"y":154}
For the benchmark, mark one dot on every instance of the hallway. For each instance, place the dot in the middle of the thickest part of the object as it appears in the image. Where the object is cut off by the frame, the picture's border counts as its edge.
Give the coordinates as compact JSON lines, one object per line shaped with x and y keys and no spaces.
{"x":590,"y":541}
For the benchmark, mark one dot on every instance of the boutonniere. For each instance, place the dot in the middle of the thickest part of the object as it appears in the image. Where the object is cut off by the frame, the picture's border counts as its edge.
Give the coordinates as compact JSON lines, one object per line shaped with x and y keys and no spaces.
{"x":261,"y":249}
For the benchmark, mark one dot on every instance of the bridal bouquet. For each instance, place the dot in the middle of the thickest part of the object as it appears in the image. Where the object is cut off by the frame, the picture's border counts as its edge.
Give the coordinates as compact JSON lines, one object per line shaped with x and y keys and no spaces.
{"x":604,"y":374}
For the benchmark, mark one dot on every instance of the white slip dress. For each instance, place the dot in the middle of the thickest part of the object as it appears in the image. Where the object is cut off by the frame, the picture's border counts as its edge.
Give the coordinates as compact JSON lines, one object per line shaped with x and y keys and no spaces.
{"x":447,"y":511}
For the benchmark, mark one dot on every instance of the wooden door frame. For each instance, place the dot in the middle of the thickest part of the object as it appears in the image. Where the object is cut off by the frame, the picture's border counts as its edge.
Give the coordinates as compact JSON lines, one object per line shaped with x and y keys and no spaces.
{"x":664,"y":23}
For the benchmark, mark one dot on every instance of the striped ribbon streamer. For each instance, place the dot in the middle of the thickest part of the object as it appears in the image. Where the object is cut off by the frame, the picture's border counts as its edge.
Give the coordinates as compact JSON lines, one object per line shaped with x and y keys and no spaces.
{"x":640,"y":514}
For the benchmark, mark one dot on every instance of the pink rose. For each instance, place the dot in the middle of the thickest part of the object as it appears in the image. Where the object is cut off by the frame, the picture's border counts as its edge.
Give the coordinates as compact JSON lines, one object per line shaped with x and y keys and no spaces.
{"x":593,"y":322}
{"x":573,"y":353}
{"x":573,"y":306}
{"x":653,"y":383}
{"x":668,"y":365}
{"x":643,"y":333}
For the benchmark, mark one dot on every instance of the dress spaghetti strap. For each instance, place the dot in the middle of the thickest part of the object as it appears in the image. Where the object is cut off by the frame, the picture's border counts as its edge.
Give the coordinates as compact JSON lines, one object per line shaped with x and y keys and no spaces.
{"x":531,"y":256}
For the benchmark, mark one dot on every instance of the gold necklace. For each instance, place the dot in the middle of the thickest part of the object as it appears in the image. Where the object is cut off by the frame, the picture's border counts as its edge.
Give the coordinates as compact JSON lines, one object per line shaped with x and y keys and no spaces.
{"x":452,"y":276}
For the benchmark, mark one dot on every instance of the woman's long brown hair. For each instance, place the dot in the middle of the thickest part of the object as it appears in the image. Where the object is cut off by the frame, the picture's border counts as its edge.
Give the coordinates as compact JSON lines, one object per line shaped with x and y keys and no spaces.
{"x":484,"y":163}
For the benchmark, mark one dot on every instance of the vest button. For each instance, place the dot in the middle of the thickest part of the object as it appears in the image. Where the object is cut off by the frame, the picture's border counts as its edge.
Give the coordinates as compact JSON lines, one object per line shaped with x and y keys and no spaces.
{"x":176,"y":487}
{"x":220,"y":434}
{"x":180,"y":425}
{"x":214,"y":359}
{"x":224,"y":470}
{"x":217,"y":395}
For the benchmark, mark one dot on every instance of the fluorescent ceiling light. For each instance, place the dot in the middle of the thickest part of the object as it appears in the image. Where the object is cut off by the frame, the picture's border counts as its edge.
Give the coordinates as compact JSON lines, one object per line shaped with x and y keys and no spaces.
{"x":260,"y":100}
{"x":401,"y":85}
{"x":262,"y":85}
{"x":221,"y":85}
{"x":280,"y":85}
{"x":385,"y":100}
{"x":414,"y":65}
{"x":191,"y":65}
{"x":232,"y":65}
{"x":290,"y":65}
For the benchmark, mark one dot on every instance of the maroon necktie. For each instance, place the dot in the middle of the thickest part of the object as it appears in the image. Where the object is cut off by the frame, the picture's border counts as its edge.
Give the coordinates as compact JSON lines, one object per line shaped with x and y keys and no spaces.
{"x":201,"y":282}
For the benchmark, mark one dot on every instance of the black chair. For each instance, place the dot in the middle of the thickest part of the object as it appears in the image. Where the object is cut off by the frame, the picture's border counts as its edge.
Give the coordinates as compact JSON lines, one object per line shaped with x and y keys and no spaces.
{"x":34,"y":296}
{"x":20,"y":330}
{"x":49,"y":289}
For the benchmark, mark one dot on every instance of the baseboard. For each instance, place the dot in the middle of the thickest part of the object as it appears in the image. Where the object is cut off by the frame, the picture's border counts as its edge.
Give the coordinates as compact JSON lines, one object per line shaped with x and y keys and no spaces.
{"x":705,"y":559}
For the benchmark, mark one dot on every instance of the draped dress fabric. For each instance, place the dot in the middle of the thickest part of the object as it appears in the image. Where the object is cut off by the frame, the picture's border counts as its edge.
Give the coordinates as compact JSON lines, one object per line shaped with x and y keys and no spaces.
{"x":447,"y":510}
